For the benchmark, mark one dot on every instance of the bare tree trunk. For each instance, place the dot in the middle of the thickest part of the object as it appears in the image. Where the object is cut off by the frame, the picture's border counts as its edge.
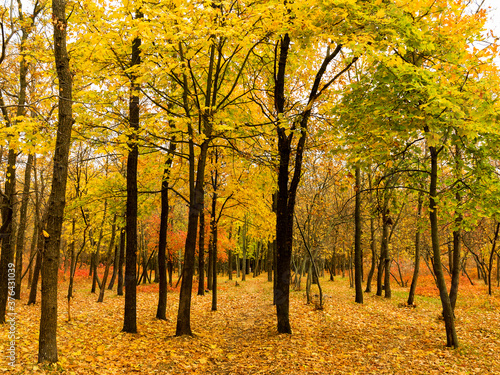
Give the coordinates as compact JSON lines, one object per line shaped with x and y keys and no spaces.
{"x":383,"y":256}
{"x":119,"y":288}
{"x":416,"y":269}
{"x":449,"y":319}
{"x":490,"y":267}
{"x":47,"y":350}
{"x":108,"y":261}
{"x":201,"y":257}
{"x":22,"y":225}
{"x":357,"y":241}
{"x":373,"y":248}
{"x":116,"y":260}
{"x":130,"y":315}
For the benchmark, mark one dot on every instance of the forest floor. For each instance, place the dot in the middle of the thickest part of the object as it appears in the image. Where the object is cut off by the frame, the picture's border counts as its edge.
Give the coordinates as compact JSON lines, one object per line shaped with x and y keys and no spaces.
{"x":377,"y":337}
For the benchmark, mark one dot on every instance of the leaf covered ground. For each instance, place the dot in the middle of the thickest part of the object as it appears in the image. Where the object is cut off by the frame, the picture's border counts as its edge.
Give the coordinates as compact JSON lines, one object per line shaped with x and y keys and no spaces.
{"x":378,"y":337}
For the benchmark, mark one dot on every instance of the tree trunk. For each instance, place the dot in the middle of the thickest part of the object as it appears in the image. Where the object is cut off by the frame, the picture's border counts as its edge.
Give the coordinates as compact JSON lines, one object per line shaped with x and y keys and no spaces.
{"x":201,"y":257}
{"x":36,"y":275}
{"x":35,"y":238}
{"x":230,"y":264}
{"x":195,"y":207}
{"x":161,"y":310}
{"x":244,"y":246}
{"x":383,"y":255}
{"x":7,"y":231}
{"x":498,"y":270}
{"x":269,"y":262}
{"x":94,"y":263}
{"x":416,"y":269}
{"x":119,"y":288}
{"x":490,"y":264}
{"x":108,"y":261}
{"x":22,"y":226}
{"x":373,"y":248}
{"x":170,"y":269}
{"x":449,"y":319}
{"x":116,"y":260}
{"x":47,"y":350}
{"x":357,"y":240}
{"x":237,"y":266}
{"x":213,"y":230}
{"x":130,"y":314}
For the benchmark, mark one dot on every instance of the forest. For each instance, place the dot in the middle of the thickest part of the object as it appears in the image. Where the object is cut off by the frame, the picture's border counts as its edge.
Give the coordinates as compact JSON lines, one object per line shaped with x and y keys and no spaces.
{"x":239,"y":187}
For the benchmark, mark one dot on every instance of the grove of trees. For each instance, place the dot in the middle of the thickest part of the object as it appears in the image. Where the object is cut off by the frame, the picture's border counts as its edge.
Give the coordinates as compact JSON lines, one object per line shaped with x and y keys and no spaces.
{"x":231,"y":136}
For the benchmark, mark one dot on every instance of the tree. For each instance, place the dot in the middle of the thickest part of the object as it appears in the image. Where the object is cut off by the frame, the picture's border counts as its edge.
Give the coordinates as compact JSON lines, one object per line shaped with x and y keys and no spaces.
{"x":47,"y":350}
{"x":130,"y":315}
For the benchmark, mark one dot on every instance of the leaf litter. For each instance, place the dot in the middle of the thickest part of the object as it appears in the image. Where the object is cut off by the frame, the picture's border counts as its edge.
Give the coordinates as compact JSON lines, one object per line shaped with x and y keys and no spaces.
{"x":377,"y":337}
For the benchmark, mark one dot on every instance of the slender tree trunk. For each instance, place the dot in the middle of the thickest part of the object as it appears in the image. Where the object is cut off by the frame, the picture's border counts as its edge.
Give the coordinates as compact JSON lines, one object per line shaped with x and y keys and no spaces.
{"x":357,"y":240}
{"x":130,"y":315}
{"x":416,"y":269}
{"x":498,"y":270}
{"x":245,"y":244}
{"x":34,"y":281}
{"x":35,"y":238}
{"x":108,"y":261}
{"x":116,"y":260}
{"x":269,"y":260}
{"x":214,"y":272}
{"x":373,"y":248}
{"x":195,"y":207}
{"x":230,"y":264}
{"x":237,"y":266}
{"x":449,"y":319}
{"x":161,"y":310}
{"x":94,"y":265}
{"x":74,"y":262}
{"x":22,"y":225}
{"x":383,"y":256}
{"x":170,"y":269}
{"x":457,"y":236}
{"x":119,"y":288}
{"x":7,"y":230}
{"x":490,"y":265}
{"x":47,"y":350}
{"x":201,"y":257}
{"x":284,"y":218}
{"x":213,"y":230}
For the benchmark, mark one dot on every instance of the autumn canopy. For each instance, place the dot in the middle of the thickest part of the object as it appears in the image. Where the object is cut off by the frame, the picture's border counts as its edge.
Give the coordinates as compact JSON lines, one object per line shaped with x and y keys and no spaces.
{"x":186,"y":143}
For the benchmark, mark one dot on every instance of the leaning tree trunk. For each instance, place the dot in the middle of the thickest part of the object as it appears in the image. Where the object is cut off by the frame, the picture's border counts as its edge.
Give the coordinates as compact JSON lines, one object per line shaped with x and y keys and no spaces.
{"x":47,"y":350}
{"x":36,"y":276}
{"x":449,"y":318}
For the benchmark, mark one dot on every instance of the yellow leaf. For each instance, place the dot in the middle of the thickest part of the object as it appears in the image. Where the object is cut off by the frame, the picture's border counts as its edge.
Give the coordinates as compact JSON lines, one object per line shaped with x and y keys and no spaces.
{"x":45,"y":233}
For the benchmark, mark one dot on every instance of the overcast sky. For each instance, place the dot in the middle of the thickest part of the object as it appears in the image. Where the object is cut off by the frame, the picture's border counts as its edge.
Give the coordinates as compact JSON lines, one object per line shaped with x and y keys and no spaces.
{"x":494,"y":22}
